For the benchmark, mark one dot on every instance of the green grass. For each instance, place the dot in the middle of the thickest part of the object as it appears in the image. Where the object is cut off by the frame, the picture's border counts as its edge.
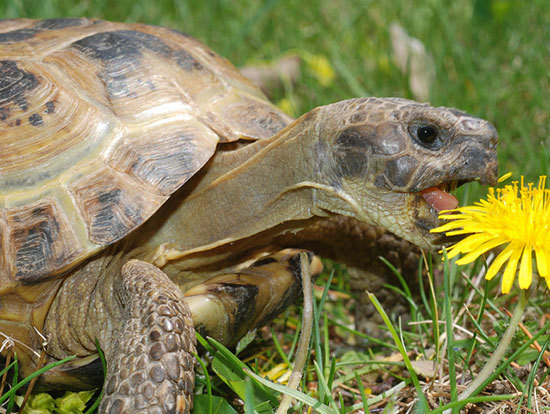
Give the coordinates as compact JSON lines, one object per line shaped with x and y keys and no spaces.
{"x":491,"y":58}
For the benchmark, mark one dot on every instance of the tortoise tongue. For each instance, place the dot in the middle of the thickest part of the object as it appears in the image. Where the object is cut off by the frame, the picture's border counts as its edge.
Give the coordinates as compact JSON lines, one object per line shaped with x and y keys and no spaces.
{"x":439,"y":199}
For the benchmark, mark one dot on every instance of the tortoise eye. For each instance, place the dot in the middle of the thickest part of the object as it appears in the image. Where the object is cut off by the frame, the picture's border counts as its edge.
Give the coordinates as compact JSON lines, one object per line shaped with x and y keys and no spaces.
{"x":426,"y":135}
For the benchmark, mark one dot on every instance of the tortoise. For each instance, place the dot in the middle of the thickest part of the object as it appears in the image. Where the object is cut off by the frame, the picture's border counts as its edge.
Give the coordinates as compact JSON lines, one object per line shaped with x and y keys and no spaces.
{"x":147,"y":187}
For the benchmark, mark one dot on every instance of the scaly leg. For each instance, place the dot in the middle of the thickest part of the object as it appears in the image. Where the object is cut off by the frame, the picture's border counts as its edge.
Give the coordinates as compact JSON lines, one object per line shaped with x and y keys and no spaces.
{"x":150,"y":366}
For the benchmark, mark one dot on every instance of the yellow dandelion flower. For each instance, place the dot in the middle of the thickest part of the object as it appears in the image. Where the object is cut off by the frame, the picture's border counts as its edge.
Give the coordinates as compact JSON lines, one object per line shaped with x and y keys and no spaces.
{"x":516,"y":217}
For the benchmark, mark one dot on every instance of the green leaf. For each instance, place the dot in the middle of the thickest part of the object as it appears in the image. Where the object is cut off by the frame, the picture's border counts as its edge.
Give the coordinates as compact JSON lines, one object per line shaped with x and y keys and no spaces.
{"x":527,"y":356}
{"x":422,"y":403}
{"x":231,"y":370}
{"x":11,"y":400}
{"x":41,"y":403}
{"x":73,"y":402}
{"x":245,"y":341}
{"x":219,"y":405}
{"x":264,"y":407}
{"x":204,"y":343}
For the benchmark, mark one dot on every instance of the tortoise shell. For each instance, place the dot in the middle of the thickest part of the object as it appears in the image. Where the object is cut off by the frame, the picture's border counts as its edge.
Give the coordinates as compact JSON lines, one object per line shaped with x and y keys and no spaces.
{"x":100,"y":123}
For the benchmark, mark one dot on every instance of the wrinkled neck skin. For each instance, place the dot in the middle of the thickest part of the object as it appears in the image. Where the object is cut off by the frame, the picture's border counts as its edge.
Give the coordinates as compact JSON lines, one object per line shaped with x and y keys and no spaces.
{"x":246,"y":197}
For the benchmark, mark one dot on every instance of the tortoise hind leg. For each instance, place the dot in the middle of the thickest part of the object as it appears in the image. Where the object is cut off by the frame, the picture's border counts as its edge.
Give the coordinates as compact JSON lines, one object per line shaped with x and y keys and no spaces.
{"x":150,"y":362}
{"x":227,"y":306}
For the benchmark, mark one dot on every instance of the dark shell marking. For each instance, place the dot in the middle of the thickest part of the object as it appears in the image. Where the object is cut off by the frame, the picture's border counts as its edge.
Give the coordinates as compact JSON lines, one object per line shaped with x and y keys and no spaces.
{"x":112,"y":205}
{"x":42,"y":240}
{"x":35,"y":120}
{"x":186,"y":61}
{"x":20,"y":35}
{"x":50,"y":107}
{"x":258,"y":118}
{"x":15,"y":84}
{"x":171,"y":157}
{"x":54,"y":24}
{"x":120,"y":45}
{"x":121,"y":53}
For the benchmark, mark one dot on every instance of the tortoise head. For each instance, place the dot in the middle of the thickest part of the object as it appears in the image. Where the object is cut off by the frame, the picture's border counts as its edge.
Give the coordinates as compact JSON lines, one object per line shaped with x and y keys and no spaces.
{"x":394,"y":161}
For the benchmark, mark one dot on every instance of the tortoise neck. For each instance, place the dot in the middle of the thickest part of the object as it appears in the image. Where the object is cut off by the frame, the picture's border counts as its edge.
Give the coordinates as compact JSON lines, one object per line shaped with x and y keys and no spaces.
{"x":243,"y":196}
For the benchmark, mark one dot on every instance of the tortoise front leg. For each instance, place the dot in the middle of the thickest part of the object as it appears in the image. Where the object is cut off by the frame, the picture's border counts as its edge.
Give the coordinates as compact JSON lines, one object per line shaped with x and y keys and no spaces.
{"x":227,"y":306}
{"x":150,"y":365}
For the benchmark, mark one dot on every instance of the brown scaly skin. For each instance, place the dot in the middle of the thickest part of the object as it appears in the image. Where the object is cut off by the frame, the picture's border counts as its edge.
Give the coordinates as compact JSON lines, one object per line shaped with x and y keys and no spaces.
{"x":118,"y":188}
{"x":359,"y":246}
{"x":156,"y":375}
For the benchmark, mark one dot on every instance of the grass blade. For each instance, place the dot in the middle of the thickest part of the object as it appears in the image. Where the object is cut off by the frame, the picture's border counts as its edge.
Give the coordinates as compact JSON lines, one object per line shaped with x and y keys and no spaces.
{"x":449,"y":327}
{"x":531,"y":378}
{"x":26,"y":380}
{"x":423,"y":403}
{"x":298,"y":395}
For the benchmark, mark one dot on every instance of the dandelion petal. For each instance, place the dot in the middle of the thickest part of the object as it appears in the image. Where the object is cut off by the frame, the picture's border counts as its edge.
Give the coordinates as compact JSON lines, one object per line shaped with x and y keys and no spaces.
{"x":542,"y":261}
{"x":525,"y":269}
{"x":510,"y":271}
{"x":498,"y":262}
{"x":483,"y":247}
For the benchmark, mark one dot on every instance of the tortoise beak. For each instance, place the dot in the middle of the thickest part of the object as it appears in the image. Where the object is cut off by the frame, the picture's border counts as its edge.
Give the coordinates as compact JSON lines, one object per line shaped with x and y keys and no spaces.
{"x":491,"y":176}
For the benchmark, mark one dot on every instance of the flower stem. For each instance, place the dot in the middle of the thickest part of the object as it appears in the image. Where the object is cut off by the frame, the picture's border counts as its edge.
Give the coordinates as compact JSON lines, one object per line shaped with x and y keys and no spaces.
{"x":305,"y":334}
{"x":478,"y":383}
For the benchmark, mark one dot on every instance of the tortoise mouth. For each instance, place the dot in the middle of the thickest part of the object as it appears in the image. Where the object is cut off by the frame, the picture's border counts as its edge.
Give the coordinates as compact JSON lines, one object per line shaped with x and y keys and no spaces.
{"x":430,"y":202}
{"x":440,"y":198}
